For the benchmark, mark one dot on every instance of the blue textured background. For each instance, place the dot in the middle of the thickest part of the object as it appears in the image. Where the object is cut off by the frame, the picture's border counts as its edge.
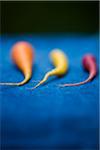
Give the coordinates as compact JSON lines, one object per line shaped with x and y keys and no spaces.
{"x":50,"y":117}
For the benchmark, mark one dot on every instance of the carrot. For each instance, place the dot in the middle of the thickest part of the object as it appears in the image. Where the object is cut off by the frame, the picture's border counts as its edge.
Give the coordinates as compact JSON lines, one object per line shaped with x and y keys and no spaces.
{"x":22,"y":56}
{"x":89,"y":63}
{"x":60,"y":62}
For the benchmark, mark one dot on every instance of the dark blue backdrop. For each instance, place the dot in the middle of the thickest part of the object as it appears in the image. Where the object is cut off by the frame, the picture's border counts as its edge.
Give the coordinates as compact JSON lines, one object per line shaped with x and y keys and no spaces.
{"x":50,"y":117}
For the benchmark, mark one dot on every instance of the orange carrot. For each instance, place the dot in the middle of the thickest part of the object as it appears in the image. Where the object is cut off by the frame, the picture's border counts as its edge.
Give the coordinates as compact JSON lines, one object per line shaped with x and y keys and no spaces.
{"x":22,"y":56}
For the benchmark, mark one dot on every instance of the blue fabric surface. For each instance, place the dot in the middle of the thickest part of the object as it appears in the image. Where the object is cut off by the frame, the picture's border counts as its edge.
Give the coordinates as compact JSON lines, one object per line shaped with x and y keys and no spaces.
{"x":50,"y":117}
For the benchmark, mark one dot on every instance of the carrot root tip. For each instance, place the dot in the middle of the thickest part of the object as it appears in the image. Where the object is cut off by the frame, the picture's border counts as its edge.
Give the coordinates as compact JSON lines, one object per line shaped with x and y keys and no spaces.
{"x":61,"y":85}
{"x":34,"y":81}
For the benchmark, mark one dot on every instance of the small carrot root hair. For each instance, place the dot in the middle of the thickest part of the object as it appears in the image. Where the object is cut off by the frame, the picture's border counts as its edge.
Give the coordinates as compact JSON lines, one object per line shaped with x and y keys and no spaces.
{"x":48,"y":74}
{"x":22,"y":56}
{"x":76,"y":84}
{"x":26,"y":79}
{"x":60,"y":62}
{"x":89,"y":63}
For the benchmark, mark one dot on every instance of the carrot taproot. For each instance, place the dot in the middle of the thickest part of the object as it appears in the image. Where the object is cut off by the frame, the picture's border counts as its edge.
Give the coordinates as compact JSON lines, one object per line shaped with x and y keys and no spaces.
{"x":60,"y":62}
{"x":89,"y":63}
{"x":22,"y":56}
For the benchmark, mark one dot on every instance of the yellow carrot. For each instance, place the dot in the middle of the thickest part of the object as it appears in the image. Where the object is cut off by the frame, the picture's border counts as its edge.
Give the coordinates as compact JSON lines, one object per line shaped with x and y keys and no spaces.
{"x":60,"y":62}
{"x":22,"y":56}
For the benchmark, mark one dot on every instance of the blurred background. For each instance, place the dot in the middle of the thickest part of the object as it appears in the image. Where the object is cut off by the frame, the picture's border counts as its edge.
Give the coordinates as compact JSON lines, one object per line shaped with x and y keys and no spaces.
{"x":48,"y":16}
{"x":50,"y":117}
